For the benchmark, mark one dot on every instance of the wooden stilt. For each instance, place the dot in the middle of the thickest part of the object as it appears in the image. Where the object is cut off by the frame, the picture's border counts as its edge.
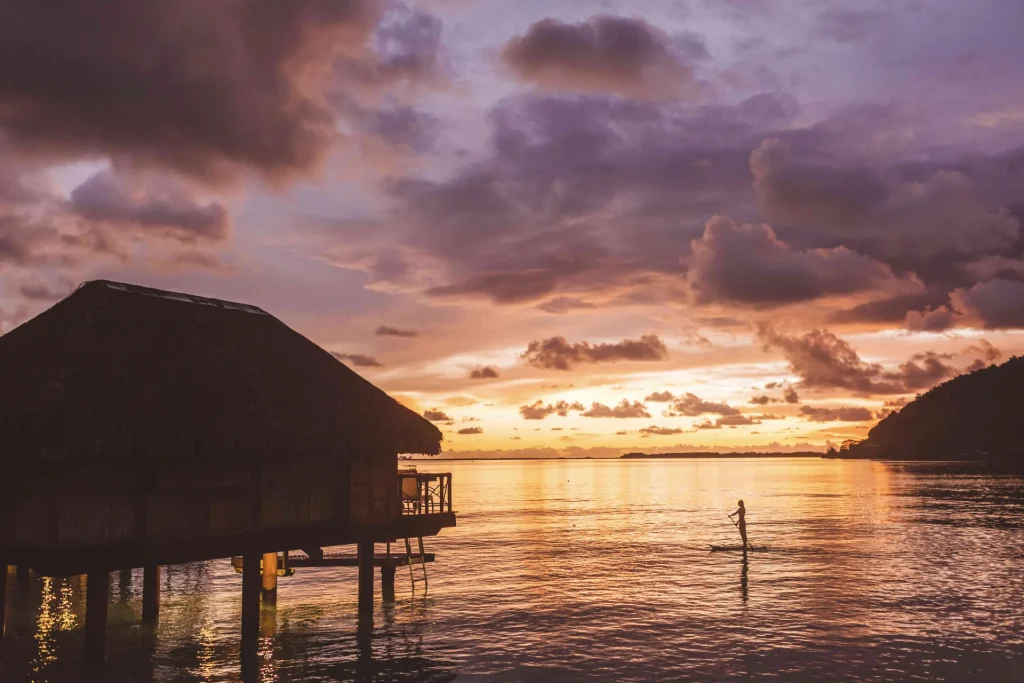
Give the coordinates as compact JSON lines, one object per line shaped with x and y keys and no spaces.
{"x":250,"y":602}
{"x":269,"y":578}
{"x":387,"y":583}
{"x":365,"y":553}
{"x":97,"y":595}
{"x":150,"y":592}
{"x":3,"y":598}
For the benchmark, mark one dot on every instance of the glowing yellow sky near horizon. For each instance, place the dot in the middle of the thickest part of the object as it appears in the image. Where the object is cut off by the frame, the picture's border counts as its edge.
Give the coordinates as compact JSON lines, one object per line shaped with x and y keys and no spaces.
{"x":494,"y":407}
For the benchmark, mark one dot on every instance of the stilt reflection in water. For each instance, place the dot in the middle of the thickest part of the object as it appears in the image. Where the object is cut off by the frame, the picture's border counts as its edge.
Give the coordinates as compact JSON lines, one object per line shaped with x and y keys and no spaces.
{"x":364,"y":646}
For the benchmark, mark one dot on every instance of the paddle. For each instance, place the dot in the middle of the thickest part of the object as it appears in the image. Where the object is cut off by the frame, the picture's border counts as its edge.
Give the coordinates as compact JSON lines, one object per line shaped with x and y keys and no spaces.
{"x":737,"y":527}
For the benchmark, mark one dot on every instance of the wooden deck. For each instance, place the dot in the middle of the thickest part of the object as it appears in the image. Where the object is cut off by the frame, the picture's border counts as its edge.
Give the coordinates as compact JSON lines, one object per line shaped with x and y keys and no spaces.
{"x":339,"y":559}
{"x":352,"y":560}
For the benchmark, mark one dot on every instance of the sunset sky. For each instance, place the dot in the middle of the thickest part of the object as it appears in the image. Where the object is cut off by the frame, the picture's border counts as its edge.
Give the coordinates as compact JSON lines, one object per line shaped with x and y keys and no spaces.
{"x":554,"y":228}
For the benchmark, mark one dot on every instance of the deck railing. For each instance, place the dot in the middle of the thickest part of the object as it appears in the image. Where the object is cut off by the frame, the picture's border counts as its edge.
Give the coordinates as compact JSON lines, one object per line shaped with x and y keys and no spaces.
{"x":425,"y":493}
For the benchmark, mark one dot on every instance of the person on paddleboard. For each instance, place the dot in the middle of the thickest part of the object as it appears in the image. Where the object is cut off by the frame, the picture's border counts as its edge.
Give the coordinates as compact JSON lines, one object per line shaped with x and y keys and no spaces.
{"x":741,"y":514}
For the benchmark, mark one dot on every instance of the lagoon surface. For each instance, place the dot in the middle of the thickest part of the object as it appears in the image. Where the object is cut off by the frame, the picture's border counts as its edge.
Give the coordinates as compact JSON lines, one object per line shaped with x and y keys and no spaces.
{"x":592,"y":570}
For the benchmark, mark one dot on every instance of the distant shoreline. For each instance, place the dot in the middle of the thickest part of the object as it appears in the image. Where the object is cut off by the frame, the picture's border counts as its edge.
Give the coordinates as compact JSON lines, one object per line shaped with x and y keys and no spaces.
{"x":630,"y":456}
{"x":708,"y":454}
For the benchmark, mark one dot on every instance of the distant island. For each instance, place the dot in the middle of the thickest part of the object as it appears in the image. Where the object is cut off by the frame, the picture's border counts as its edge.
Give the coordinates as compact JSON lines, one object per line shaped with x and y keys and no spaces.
{"x":711,"y":454}
{"x":976,"y":416}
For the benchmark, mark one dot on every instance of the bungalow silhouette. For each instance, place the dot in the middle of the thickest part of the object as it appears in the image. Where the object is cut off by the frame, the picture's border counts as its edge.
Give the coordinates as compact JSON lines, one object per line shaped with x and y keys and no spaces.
{"x":142,"y":428}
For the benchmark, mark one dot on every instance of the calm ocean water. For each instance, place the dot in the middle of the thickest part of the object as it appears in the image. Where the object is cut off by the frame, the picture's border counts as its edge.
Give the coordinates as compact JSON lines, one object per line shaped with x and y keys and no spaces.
{"x":599,"y":571}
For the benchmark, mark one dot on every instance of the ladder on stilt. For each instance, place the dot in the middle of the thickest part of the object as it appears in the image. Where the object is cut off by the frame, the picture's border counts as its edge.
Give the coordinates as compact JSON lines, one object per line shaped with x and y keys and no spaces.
{"x":420,"y":560}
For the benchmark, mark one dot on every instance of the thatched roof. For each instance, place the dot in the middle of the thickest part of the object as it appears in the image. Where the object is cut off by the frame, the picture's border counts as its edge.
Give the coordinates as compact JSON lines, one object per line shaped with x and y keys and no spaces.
{"x":119,"y":371}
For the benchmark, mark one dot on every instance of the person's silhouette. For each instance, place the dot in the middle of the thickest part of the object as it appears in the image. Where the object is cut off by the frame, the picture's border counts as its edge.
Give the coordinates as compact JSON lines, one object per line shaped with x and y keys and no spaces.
{"x":741,"y":513}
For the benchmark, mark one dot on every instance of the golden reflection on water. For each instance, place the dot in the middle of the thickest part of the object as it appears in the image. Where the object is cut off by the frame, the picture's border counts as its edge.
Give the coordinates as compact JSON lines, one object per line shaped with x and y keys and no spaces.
{"x":206,"y":662}
{"x":597,"y":570}
{"x":56,"y":613}
{"x":265,"y":648}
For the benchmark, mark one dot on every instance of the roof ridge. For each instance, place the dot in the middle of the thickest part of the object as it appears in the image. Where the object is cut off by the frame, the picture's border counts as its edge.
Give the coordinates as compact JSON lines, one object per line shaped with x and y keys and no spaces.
{"x":141,"y":290}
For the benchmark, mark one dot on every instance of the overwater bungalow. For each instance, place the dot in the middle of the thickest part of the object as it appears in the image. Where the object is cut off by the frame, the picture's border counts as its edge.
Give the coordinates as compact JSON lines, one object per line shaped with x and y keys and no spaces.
{"x":141,"y":428}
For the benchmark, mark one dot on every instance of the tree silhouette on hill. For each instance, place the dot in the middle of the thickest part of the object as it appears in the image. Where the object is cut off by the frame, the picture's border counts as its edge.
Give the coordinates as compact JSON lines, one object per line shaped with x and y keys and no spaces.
{"x":976,"y":416}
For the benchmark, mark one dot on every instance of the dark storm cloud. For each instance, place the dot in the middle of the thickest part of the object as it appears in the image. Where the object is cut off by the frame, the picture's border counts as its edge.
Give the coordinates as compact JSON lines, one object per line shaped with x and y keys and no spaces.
{"x":996,"y":304}
{"x":931,"y":320}
{"x":107,"y":198}
{"x":539,"y":410}
{"x":690,"y":405}
{"x":471,"y":430}
{"x":790,"y":395}
{"x":625,"y":409}
{"x":437,"y":415}
{"x":557,"y":353}
{"x":388,"y":331}
{"x":623,"y":55}
{"x":823,"y":360}
{"x":917,"y":209}
{"x":484,"y":372}
{"x":890,"y":309}
{"x":590,"y":201}
{"x":748,"y":264}
{"x":660,"y":431}
{"x":593,"y":201}
{"x":844,"y":414}
{"x":359,"y":360}
{"x":203,"y":88}
{"x":583,"y":199}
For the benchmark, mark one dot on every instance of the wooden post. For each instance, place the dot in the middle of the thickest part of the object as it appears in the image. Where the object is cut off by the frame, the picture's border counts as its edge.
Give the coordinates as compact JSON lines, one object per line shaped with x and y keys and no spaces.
{"x":365,"y":555}
{"x":387,"y":583}
{"x":22,"y":570}
{"x":250,"y":602}
{"x":387,"y":576}
{"x":269,"y":578}
{"x":3,"y":597}
{"x":97,"y":595}
{"x":150,"y":592}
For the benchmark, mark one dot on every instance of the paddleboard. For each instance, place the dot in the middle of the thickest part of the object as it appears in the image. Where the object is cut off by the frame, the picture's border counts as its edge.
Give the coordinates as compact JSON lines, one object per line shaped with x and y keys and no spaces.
{"x":737,"y":548}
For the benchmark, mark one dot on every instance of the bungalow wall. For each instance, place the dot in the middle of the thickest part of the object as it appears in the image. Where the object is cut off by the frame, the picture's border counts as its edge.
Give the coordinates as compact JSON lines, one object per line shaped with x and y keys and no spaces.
{"x":109,"y":504}
{"x":375,"y":496}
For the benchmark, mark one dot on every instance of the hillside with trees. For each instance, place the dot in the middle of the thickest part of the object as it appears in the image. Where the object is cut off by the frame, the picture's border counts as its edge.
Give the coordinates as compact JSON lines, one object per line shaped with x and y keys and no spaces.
{"x":976,"y":416}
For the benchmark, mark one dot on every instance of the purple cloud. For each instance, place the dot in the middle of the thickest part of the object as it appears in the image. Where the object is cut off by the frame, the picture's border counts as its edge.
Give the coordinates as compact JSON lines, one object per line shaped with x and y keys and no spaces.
{"x":557,"y":353}
{"x":748,"y":264}
{"x":627,"y":56}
